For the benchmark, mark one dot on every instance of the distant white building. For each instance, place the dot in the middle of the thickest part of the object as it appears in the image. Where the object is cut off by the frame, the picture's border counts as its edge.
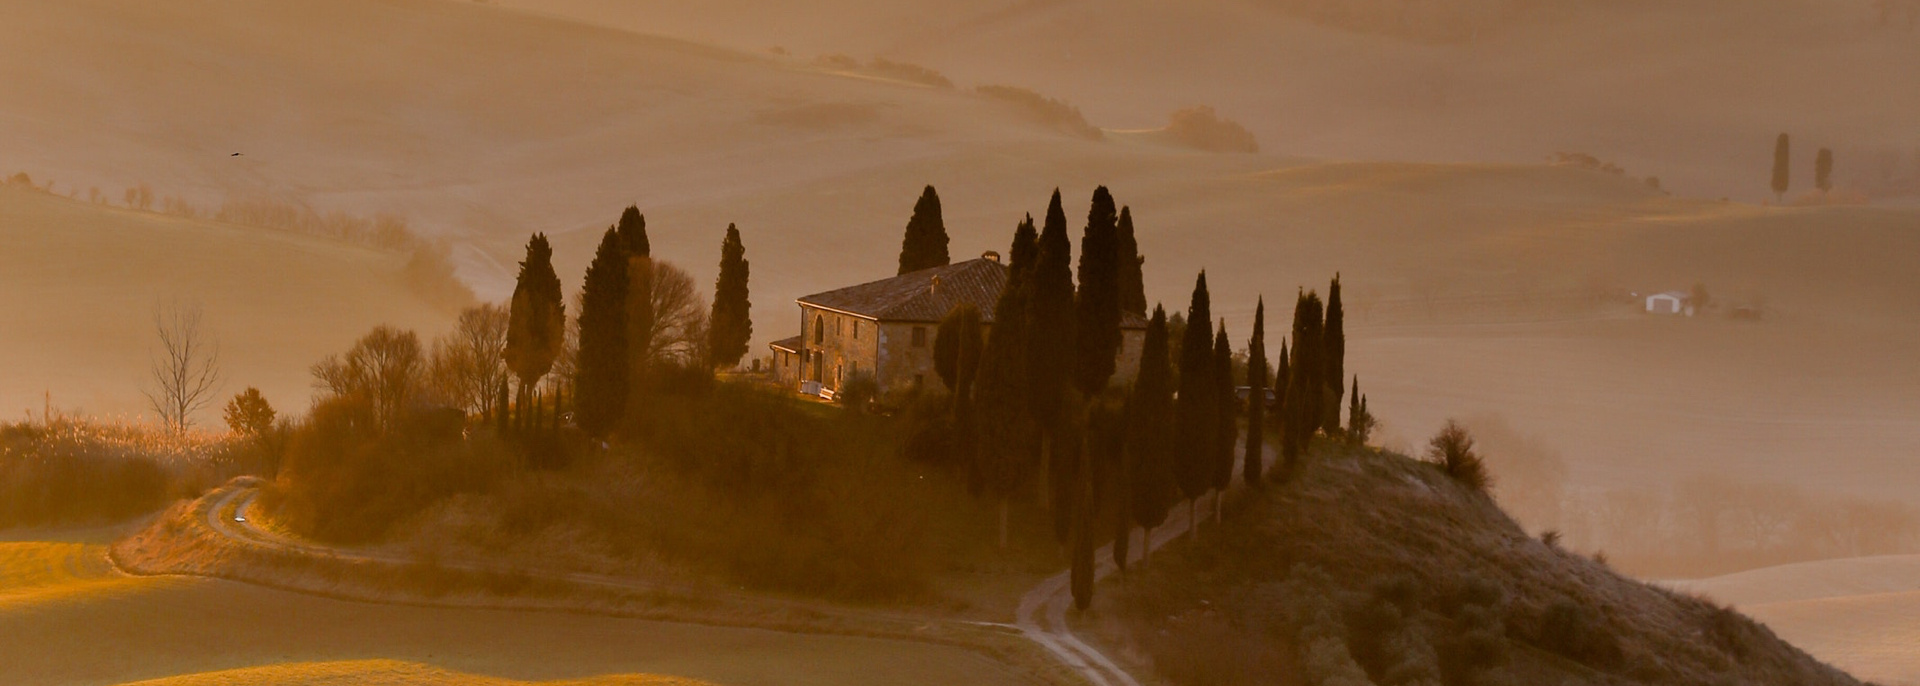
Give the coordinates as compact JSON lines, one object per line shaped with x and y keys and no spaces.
{"x":1670,"y":302}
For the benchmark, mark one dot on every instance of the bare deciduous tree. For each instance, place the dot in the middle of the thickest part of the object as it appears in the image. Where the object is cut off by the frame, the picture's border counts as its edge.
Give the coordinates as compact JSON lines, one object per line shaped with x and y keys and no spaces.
{"x":468,"y":368}
{"x":186,"y":368}
{"x":383,"y":369}
{"x":679,"y":317}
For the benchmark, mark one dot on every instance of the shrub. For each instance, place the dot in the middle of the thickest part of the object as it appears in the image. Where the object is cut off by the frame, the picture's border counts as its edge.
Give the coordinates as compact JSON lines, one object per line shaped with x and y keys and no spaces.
{"x":1201,"y":129}
{"x":1452,"y":451}
{"x":1053,"y":113}
{"x":81,"y":472}
{"x":859,"y":391}
{"x":345,"y":482}
{"x":1574,"y":632}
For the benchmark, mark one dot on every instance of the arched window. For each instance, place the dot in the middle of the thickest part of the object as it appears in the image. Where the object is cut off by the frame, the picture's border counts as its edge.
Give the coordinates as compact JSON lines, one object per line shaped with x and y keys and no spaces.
{"x":819,"y":329}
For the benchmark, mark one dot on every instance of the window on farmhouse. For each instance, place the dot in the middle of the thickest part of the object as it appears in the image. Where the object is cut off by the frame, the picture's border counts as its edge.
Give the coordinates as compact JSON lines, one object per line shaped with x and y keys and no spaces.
{"x":856,"y":329}
{"x":919,"y":337}
{"x":819,"y":329}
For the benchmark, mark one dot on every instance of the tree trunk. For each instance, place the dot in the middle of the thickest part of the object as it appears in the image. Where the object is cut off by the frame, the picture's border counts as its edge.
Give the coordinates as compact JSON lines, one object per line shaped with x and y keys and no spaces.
{"x":1218,"y":496}
{"x":1193,"y":518}
{"x":1146,"y":545}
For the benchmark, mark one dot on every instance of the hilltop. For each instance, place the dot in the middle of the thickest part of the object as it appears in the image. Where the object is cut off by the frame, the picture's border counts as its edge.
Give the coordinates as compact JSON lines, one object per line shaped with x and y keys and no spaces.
{"x":1370,"y":567}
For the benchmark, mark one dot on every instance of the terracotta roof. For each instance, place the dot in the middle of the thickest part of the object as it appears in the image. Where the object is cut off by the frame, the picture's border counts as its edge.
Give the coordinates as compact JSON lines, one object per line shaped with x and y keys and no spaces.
{"x":912,"y":297}
{"x":791,"y":345}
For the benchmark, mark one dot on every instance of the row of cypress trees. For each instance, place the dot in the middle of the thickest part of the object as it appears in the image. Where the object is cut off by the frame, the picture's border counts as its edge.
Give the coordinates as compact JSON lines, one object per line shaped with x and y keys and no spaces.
{"x":1032,"y":393}
{"x":615,"y":322}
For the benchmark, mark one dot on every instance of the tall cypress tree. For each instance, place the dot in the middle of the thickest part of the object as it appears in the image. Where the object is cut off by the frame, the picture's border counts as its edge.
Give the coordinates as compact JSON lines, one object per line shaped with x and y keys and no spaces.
{"x":925,"y":245}
{"x":1305,"y":387}
{"x":536,"y":320}
{"x":633,"y":232}
{"x":1050,"y":362}
{"x":1133,"y":288}
{"x":1097,"y":304}
{"x":1282,"y":377}
{"x":1782,"y":167}
{"x":1224,"y":417}
{"x":730,"y":326}
{"x":1333,"y":349}
{"x":1256,"y":395}
{"x":1196,"y":425}
{"x":1823,"y":170}
{"x":1006,"y":432}
{"x":600,"y":377}
{"x":1148,"y":459}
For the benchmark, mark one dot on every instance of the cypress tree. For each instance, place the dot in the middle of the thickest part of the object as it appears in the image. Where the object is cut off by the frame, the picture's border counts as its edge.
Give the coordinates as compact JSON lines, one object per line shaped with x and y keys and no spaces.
{"x":925,"y":245}
{"x":1333,"y":349}
{"x":1305,"y":389}
{"x":1823,"y":170}
{"x":730,"y":326}
{"x":1281,"y":377}
{"x":1025,"y":251}
{"x":1106,"y":510}
{"x":1256,"y":395}
{"x":1133,"y":288}
{"x":1097,"y":304}
{"x":1006,"y":432}
{"x":600,"y":377}
{"x":1148,"y":459}
{"x":1050,"y":363}
{"x":1196,"y":426}
{"x":1781,"y":167}
{"x":1224,"y":417}
{"x":633,"y":231}
{"x":1081,"y":574}
{"x":536,"y":318}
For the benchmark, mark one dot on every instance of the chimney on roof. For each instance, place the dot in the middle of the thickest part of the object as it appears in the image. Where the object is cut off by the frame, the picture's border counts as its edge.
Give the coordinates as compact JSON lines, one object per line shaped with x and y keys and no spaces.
{"x":934,"y":287}
{"x":991,"y":256}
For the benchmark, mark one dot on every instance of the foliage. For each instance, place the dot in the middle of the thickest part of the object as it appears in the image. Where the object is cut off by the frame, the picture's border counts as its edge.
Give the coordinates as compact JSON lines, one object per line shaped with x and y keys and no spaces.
{"x":925,"y":245}
{"x":1225,"y":418}
{"x":1196,"y":421}
{"x":1149,"y":441}
{"x":600,"y":379}
{"x":80,"y":471}
{"x":467,"y":369}
{"x":383,"y":372}
{"x":730,"y":326}
{"x":343,"y":482}
{"x":1452,"y":451}
{"x":859,"y":390}
{"x":248,"y":413}
{"x":536,"y":318}
{"x":1132,"y":288}
{"x":1047,"y":111}
{"x":1097,"y":303}
{"x":1305,"y":385}
{"x":1333,"y":352}
{"x":1050,"y":335}
{"x":1007,"y":433}
{"x":1200,"y":128}
{"x":1256,"y":396}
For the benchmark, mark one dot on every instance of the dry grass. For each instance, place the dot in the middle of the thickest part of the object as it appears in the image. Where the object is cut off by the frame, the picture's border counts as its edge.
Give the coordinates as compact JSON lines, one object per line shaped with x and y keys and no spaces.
{"x":1426,"y":581}
{"x":88,"y":471}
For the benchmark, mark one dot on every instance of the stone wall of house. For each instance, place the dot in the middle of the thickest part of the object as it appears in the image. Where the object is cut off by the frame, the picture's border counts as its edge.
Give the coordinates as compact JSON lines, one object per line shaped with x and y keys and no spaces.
{"x":839,"y":345}
{"x":786,"y":369}
{"x":906,"y":357}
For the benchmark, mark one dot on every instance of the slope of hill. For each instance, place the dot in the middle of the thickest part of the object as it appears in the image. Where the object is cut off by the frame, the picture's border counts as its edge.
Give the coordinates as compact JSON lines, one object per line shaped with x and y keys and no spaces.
{"x":87,"y":282}
{"x":1861,"y":613}
{"x":1369,"y":567}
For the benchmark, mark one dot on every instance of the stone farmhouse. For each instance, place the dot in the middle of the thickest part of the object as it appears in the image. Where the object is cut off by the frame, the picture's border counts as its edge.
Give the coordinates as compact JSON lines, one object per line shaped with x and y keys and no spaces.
{"x":886,"y":328}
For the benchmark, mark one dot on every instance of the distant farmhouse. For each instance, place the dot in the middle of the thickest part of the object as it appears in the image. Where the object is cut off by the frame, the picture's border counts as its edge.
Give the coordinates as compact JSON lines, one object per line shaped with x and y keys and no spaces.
{"x":885,"y":329}
{"x":1670,"y":302}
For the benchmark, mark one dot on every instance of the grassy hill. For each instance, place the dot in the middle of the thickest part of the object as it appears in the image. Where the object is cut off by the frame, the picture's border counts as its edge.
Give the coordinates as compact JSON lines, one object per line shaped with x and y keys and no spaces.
{"x":86,"y":282}
{"x":1370,"y":567}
